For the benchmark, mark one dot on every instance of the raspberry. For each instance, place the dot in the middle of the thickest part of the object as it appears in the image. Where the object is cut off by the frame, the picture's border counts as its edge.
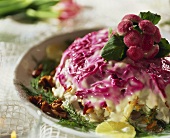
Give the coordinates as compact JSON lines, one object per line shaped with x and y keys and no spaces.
{"x":147,"y":42}
{"x":147,"y":27}
{"x":157,"y":35}
{"x":132,"y":17}
{"x":132,"y":38}
{"x":153,"y":52}
{"x":124,"y":26}
{"x":135,"y":53}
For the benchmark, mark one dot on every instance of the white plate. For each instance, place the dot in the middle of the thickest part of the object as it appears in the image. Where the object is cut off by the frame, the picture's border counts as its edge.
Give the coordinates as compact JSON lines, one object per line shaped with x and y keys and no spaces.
{"x":23,"y":74}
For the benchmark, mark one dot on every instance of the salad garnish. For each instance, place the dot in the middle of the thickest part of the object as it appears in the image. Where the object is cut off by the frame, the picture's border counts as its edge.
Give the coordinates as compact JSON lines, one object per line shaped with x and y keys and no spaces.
{"x":138,"y":38}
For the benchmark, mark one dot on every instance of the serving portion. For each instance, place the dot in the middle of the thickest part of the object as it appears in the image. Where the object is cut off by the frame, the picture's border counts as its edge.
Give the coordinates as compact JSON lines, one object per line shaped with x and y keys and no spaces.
{"x":114,"y":82}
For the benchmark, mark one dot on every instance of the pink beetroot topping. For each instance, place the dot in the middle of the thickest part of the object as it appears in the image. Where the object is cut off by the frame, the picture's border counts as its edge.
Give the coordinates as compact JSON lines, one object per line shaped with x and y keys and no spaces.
{"x":124,"y":27}
{"x":132,"y":38}
{"x":157,"y":35}
{"x":135,"y":53}
{"x":147,"y":42}
{"x":147,"y":27}
{"x":139,"y":33}
{"x":132,"y":17}
{"x":153,"y":52}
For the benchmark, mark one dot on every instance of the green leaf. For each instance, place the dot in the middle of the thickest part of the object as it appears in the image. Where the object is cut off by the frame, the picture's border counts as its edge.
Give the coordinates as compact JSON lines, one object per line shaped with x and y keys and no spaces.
{"x":114,"y":49}
{"x":164,"y":48}
{"x":154,"y":18}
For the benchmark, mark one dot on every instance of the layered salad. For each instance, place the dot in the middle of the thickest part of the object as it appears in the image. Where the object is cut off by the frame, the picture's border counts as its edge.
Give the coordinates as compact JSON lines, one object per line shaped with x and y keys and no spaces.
{"x":105,"y":80}
{"x":117,"y":76}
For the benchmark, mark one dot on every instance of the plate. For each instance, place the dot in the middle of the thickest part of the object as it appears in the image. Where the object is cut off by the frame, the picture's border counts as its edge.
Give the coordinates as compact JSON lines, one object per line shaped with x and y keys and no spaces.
{"x":23,"y":70}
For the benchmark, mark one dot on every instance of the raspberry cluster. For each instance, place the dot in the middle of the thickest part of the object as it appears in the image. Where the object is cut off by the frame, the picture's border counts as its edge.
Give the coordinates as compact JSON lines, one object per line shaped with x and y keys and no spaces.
{"x":140,"y":36}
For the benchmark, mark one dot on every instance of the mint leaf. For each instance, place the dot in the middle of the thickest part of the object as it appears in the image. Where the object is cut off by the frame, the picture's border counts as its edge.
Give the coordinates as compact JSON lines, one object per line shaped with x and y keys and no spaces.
{"x":114,"y":49}
{"x":164,"y":48}
{"x":154,"y":18}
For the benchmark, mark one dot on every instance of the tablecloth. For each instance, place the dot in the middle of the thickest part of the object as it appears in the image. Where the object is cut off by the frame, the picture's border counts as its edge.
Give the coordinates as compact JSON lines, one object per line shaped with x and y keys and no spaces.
{"x":16,"y":38}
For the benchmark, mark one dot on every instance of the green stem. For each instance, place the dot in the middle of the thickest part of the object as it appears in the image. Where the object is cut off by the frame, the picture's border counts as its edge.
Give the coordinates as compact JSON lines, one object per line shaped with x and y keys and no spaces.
{"x":41,"y":14}
{"x":13,"y":6}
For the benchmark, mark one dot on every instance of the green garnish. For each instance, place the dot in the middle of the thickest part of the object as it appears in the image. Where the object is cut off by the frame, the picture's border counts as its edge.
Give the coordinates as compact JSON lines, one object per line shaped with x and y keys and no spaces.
{"x":76,"y":120}
{"x":146,"y":123}
{"x":48,"y":66}
{"x":154,"y":18}
{"x":46,"y":95}
{"x":37,"y":90}
{"x":164,"y":48}
{"x":114,"y":49}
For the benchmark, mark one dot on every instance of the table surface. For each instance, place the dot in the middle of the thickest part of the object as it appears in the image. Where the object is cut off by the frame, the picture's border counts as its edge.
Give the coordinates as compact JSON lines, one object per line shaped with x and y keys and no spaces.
{"x":16,"y":38}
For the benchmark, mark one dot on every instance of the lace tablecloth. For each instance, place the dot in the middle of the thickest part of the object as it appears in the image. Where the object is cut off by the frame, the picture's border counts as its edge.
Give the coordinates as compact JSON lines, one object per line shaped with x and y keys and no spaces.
{"x":16,"y":38}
